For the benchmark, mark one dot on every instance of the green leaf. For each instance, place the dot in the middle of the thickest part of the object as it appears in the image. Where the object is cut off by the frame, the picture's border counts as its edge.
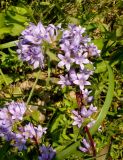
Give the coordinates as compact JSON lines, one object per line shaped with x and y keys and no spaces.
{"x":2,"y":19}
{"x":16,"y":91}
{"x":8,"y":79}
{"x":44,"y":3}
{"x":66,"y":137}
{"x":73,"y":20}
{"x":52,"y":56}
{"x":76,"y":132}
{"x":99,"y":43}
{"x":107,"y":102}
{"x":8,"y":45}
{"x":16,"y":29}
{"x":56,"y":122}
{"x":100,"y":67}
{"x":91,"y":26}
{"x":16,"y":17}
{"x":4,"y":30}
{"x":67,"y":102}
{"x":36,"y":115}
{"x":119,"y":31}
{"x":19,"y":10}
{"x":68,"y":151}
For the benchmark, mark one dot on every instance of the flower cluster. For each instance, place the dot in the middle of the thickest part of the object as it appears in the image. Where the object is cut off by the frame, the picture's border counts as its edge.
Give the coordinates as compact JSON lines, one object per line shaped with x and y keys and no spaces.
{"x":46,"y":153}
{"x":30,"y":46}
{"x":77,"y":51}
{"x":83,"y":116}
{"x":11,"y":114}
{"x":26,"y":133}
{"x":80,"y":116}
{"x":8,"y":116}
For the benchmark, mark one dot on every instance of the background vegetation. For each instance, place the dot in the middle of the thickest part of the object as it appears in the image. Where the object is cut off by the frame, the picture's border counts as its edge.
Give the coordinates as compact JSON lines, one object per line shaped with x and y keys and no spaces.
{"x":104,"y":23}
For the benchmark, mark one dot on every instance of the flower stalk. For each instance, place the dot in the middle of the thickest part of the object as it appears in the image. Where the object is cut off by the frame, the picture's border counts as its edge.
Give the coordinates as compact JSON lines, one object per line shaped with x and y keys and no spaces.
{"x":32,"y":90}
{"x":91,"y":141}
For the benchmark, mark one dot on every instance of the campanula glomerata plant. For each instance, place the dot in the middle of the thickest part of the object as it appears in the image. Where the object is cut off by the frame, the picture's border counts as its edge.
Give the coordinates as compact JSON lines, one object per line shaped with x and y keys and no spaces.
{"x":76,"y":54}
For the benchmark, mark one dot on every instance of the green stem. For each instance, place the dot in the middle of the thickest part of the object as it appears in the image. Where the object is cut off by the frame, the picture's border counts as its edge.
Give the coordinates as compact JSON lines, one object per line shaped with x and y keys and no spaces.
{"x":3,"y":77}
{"x":32,"y":90}
{"x":49,"y":71}
{"x":72,"y":148}
{"x":107,"y":102}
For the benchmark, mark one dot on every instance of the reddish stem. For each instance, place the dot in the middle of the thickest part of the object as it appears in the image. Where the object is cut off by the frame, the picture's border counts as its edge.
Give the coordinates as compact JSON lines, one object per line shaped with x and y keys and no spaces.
{"x":91,"y":141}
{"x":79,"y":98}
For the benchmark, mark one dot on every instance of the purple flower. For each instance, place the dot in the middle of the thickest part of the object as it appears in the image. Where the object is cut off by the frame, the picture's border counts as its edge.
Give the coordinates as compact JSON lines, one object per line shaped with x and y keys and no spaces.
{"x":82,"y":80}
{"x":72,"y":75}
{"x":86,"y":147}
{"x":5,"y":117}
{"x":34,"y":34}
{"x":65,"y":46}
{"x":78,"y":119}
{"x":85,"y":40}
{"x":77,"y":49}
{"x":81,"y":59}
{"x":19,"y":141}
{"x":74,"y":36}
{"x":71,"y":38}
{"x":31,"y":132}
{"x":91,"y":110}
{"x":32,"y":54}
{"x":87,"y":113}
{"x":84,"y":112}
{"x":66,"y":34}
{"x":76,"y":29}
{"x":51,"y":33}
{"x":86,"y":72}
{"x":5,"y":123}
{"x":46,"y":153}
{"x":65,"y":60}
{"x":29,"y":45}
{"x":90,"y":124}
{"x":39,"y":132}
{"x":6,"y":131}
{"x":86,"y":97}
{"x":80,"y":116}
{"x":64,"y":81}
{"x":92,"y":50}
{"x":16,"y":110}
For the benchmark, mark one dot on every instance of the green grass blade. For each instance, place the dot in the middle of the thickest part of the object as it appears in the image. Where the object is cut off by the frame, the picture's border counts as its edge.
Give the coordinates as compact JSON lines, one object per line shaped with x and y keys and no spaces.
{"x":107,"y":102}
